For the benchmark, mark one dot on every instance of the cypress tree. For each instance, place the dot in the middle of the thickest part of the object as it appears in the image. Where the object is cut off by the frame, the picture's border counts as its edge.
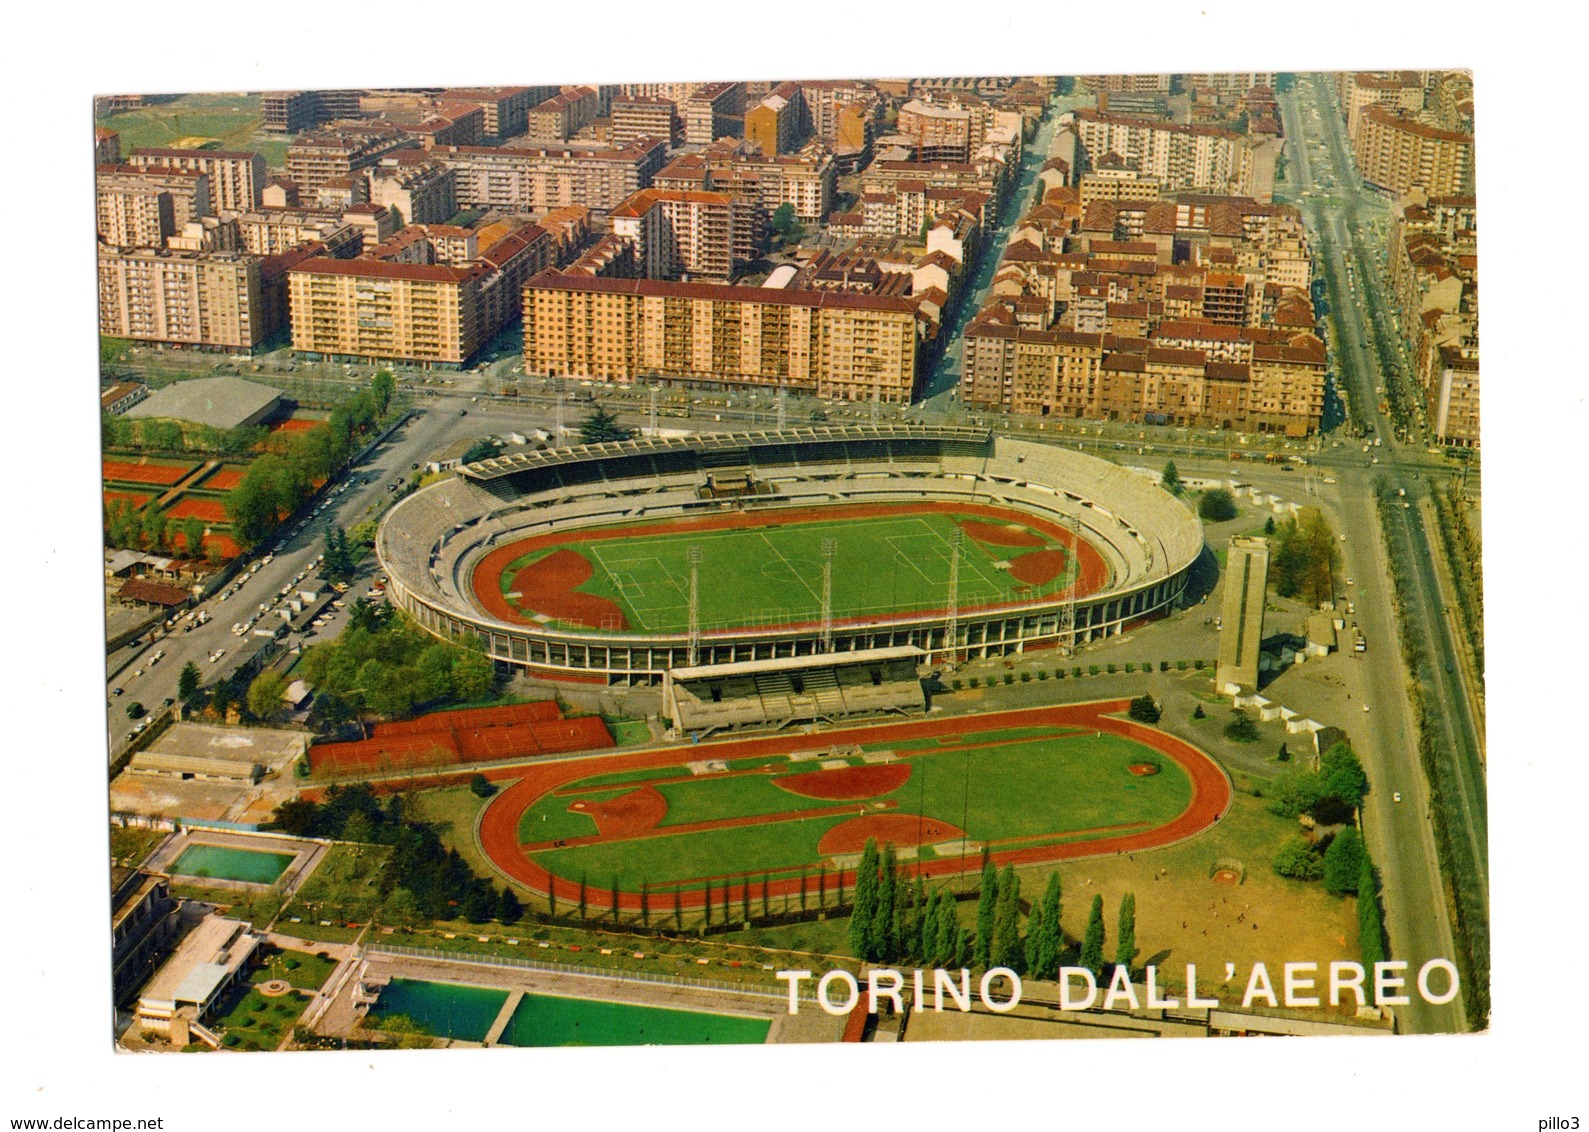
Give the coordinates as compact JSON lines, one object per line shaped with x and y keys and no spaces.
{"x":645,"y":904}
{"x":1126,"y":936}
{"x":885,"y":936}
{"x":678,"y":908}
{"x":765,"y":911}
{"x":615,"y":899}
{"x":920,"y":943}
{"x":551,"y":899}
{"x":802,"y":890}
{"x":582,"y":896}
{"x":1050,"y":939}
{"x":1007,"y":949}
{"x":1370,"y":923}
{"x":944,"y":927}
{"x":987,"y":901}
{"x":1092,"y":942}
{"x":706,"y":905}
{"x":744,"y":899}
{"x":822,"y":886}
{"x":864,"y":912}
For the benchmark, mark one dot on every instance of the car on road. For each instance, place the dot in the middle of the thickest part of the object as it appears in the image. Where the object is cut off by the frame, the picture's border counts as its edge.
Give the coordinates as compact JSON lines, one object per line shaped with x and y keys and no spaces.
{"x":117,"y":691}
{"x":1365,"y":707}
{"x":218,"y":653}
{"x":1395,"y":795}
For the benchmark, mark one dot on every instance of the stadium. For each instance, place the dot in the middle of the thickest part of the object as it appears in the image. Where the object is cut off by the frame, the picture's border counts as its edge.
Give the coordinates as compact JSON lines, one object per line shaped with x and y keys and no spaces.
{"x":769,"y":557}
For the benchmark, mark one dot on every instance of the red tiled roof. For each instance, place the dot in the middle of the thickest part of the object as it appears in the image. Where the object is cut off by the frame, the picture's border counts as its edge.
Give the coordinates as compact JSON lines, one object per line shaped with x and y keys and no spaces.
{"x":553,"y":280}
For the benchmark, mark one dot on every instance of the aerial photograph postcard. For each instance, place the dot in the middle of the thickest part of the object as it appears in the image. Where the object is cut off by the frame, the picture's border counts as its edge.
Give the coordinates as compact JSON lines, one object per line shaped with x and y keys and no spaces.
{"x":916,"y":559}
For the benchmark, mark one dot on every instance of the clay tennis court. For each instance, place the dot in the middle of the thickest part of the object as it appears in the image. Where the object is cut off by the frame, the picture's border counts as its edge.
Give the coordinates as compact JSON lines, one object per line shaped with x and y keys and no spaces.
{"x":564,"y":585}
{"x":525,"y":787}
{"x":161,"y":475}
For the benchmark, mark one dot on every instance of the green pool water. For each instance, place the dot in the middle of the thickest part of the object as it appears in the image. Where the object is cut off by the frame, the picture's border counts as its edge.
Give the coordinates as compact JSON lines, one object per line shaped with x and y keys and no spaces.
{"x":545,"y":1020}
{"x":446,"y":1010}
{"x":223,"y":862}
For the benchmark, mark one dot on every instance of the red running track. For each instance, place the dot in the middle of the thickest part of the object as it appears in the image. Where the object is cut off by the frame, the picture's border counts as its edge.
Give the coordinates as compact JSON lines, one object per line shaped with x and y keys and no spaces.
{"x":1211,"y":792}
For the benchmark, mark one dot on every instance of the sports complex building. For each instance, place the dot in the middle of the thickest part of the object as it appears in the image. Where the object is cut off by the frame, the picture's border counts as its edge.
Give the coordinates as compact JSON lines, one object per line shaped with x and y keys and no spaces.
{"x":621,"y":563}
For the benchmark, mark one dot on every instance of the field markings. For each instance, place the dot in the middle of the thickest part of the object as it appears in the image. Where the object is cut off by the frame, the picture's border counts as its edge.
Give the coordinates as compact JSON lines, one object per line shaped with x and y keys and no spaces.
{"x":816,"y":597}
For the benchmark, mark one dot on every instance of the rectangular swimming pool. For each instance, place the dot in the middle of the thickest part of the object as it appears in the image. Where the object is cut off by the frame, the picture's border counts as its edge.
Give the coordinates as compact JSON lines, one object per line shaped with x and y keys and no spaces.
{"x":447,"y":1010}
{"x":546,"y":1020}
{"x":226,"y":862}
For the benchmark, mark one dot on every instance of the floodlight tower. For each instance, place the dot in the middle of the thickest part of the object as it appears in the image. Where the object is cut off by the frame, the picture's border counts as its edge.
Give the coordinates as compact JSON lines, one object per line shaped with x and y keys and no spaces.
{"x":952,"y":612}
{"x":828,"y":548}
{"x":654,"y":392}
{"x":695,"y":605}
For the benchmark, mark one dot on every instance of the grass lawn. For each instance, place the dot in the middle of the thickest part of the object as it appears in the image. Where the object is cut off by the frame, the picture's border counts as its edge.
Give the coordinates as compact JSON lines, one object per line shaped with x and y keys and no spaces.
{"x":231,"y":119}
{"x":629,"y":731}
{"x":131,"y":846}
{"x":1059,"y":785}
{"x":774,"y":573}
{"x":452,"y":810}
{"x":345,"y":887}
{"x":301,"y":969}
{"x":255,"y":1022}
{"x":258,"y":908}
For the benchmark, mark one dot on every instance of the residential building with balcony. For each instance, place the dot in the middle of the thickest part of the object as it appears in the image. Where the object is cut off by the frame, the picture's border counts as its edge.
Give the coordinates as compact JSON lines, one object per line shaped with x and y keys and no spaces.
{"x":236,"y":178}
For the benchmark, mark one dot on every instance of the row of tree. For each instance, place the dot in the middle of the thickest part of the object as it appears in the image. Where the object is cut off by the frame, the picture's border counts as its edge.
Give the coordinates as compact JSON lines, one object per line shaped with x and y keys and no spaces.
{"x":894,"y":920}
{"x":1329,"y":795}
{"x":162,"y":434}
{"x":1306,"y":558}
{"x":152,"y":529}
{"x":277,"y":483}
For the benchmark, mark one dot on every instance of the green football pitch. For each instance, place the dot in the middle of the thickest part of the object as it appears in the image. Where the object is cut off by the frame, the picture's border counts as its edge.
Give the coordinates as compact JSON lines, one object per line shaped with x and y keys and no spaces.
{"x":772,"y":575}
{"x":1021,"y":787}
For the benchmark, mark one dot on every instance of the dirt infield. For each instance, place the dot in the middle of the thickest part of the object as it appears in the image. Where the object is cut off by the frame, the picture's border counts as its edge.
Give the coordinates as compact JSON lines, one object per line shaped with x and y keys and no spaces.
{"x":486,"y":578}
{"x":999,"y":534}
{"x":901,"y":829}
{"x":552,"y":586}
{"x":627,"y":815}
{"x":846,"y":784}
{"x":162,"y":475}
{"x":1038,"y":567}
{"x":1211,"y":792}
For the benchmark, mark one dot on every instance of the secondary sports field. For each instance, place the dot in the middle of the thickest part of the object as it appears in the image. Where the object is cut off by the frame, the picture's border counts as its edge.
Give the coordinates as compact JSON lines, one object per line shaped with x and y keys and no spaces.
{"x":1032,"y":786}
{"x":766,"y":568}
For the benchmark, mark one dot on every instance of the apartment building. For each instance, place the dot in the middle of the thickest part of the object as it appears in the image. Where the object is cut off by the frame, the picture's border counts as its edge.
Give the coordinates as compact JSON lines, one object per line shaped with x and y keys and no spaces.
{"x":421,"y":190}
{"x":107,"y":146}
{"x":272,"y":231}
{"x":778,"y":122}
{"x":236,"y":179}
{"x":563,"y":115}
{"x":506,"y":108}
{"x":1399,"y":153}
{"x":712,"y":111}
{"x":133,"y":217}
{"x":807,"y":180}
{"x":832,"y":344}
{"x":429,"y":314}
{"x":644,"y":116}
{"x":940,"y":132}
{"x":1454,"y":396}
{"x":117,"y":189}
{"x":540,"y":179}
{"x":217,"y":300}
{"x":1185,"y":158}
{"x":1397,"y":90}
{"x":1231,"y":85}
{"x":693,"y":234}
{"x":1114,"y":180}
{"x":1071,"y":373}
{"x":341,"y":151}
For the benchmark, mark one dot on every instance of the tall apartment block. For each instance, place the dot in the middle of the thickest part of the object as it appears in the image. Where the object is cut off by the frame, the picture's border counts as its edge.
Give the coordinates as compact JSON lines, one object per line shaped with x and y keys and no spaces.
{"x":638,"y":116}
{"x":1400,"y":153}
{"x":236,"y":179}
{"x":1241,"y":632}
{"x":685,"y":233}
{"x":833,"y":344}
{"x":540,"y":179}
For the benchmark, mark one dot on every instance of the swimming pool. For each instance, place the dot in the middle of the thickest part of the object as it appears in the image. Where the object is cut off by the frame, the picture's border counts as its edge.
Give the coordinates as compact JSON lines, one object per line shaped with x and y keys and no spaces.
{"x":547,"y":1020}
{"x":447,"y":1010}
{"x":226,"y":862}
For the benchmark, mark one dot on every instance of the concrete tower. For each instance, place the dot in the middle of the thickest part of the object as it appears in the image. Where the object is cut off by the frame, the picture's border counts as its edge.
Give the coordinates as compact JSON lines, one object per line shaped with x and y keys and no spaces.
{"x":1246,"y":580}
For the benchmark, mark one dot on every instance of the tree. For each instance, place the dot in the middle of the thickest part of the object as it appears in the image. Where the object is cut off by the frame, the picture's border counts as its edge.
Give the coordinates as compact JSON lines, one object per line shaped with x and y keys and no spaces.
{"x":1171,"y":478}
{"x":480,"y":786}
{"x":1048,"y":937}
{"x":188,"y":681}
{"x":601,"y":426}
{"x":265,"y":695}
{"x":193,"y":537}
{"x":785,"y":225}
{"x":510,"y":909}
{"x":885,"y":932}
{"x":1126,"y":935}
{"x":987,"y":901}
{"x":479,"y":903}
{"x":135,"y":710}
{"x":863,"y":914}
{"x":1343,"y":862}
{"x":1269,"y":525}
{"x":1092,"y":941}
{"x":582,"y":896}
{"x":339,"y":563}
{"x":1298,"y":860}
{"x":1199,"y":713}
{"x":1370,"y":920}
{"x":1217,"y":505}
{"x":1241,"y":729}
{"x":473,"y":676}
{"x":1007,"y":948}
{"x":1144,"y":709}
{"x":383,"y":387}
{"x":434,"y":671}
